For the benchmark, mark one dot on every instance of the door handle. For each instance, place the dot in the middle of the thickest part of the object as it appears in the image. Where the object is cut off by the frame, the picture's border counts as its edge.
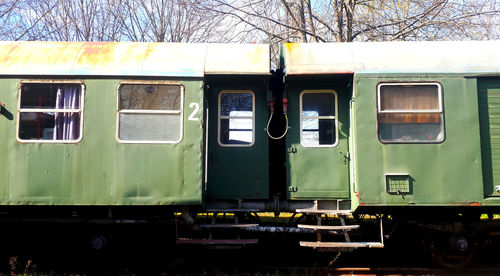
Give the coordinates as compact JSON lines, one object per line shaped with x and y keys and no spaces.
{"x":346,"y":157}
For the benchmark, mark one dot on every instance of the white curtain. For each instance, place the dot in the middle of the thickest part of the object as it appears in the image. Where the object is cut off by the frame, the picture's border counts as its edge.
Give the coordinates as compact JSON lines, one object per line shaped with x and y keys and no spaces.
{"x":67,"y":124}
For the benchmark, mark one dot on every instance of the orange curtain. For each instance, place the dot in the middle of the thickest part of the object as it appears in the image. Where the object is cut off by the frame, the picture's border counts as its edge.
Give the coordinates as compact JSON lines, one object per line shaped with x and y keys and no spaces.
{"x":409,"y":98}
{"x":409,"y":118}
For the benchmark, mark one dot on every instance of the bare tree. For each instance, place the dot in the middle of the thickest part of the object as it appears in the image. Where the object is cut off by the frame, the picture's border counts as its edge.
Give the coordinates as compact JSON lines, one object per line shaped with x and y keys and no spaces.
{"x":7,"y":11}
{"x":83,"y":20}
{"x":166,"y":21}
{"x":365,"y":20}
{"x":271,"y":21}
{"x":425,"y":20}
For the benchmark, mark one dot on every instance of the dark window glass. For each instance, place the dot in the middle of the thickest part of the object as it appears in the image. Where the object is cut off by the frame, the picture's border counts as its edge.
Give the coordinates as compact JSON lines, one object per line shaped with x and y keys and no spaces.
{"x":321,"y":103}
{"x":43,"y":115}
{"x":235,"y":102}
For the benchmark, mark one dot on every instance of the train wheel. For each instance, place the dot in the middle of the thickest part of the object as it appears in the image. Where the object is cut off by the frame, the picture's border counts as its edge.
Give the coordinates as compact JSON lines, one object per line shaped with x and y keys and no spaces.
{"x":452,"y":251}
{"x":98,"y":242}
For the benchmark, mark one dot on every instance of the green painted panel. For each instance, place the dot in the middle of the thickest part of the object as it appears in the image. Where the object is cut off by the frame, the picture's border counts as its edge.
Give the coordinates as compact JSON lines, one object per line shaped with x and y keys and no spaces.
{"x":446,"y":173}
{"x":489,"y":120}
{"x":317,"y":172}
{"x":100,"y":170}
{"x":238,"y":172}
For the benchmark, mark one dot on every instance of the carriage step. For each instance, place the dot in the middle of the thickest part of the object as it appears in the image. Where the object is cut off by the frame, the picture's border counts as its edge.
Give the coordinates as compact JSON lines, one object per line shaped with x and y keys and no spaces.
{"x":328,"y":227}
{"x":326,"y":212}
{"x":232,"y":210}
{"x":217,"y":241}
{"x":342,"y":244}
{"x":228,"y":225}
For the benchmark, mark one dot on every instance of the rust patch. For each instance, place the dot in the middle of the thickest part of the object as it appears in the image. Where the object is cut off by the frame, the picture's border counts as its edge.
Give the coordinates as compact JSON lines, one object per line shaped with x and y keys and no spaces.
{"x":10,"y":53}
{"x":291,"y":46}
{"x":255,"y":56}
{"x":96,"y":53}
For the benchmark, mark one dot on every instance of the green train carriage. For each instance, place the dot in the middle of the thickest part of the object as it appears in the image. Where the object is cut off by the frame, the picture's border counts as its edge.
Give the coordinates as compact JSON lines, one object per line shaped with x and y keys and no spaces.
{"x":405,"y":131}
{"x":421,"y":124}
{"x":422,"y":118}
{"x":120,"y":124}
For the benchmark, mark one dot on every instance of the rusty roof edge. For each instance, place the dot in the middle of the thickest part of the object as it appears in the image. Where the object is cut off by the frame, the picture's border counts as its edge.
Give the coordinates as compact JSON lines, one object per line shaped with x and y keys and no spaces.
{"x":143,"y":64}
{"x":131,"y":59}
{"x":42,"y":58}
{"x":80,"y":51}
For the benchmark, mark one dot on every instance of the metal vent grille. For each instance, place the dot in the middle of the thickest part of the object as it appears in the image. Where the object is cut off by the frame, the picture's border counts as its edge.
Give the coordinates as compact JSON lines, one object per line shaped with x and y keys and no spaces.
{"x":397,"y":183}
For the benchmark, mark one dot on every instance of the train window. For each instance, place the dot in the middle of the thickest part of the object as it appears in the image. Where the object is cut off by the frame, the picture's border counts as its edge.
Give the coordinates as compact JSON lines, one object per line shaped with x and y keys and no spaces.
{"x":50,"y":112}
{"x":236,"y":118}
{"x":410,"y":113}
{"x":149,"y":113}
{"x":318,"y":123}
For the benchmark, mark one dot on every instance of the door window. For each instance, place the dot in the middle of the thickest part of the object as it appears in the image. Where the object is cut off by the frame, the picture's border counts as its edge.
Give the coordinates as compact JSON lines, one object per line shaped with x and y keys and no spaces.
{"x":318,"y":123}
{"x":236,"y":118}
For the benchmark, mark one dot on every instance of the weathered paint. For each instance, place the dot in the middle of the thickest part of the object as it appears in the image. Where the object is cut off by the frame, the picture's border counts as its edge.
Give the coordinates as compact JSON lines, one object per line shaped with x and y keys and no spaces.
{"x":235,"y":171}
{"x":447,"y":173}
{"x":489,"y":119}
{"x":392,"y":57}
{"x":317,"y":172}
{"x":131,"y":59}
{"x":99,"y":170}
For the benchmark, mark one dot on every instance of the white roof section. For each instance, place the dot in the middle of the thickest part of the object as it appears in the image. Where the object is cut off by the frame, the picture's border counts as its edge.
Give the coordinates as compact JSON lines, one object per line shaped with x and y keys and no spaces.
{"x":482,"y":57}
{"x":238,"y":59}
{"x":132,"y":59}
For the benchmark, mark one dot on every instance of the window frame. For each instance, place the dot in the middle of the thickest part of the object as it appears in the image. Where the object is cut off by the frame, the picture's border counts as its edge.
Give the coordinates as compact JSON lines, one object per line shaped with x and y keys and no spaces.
{"x":141,"y":111}
{"x":440,"y":110}
{"x":335,"y":117}
{"x":42,"y":110}
{"x":219,"y":117}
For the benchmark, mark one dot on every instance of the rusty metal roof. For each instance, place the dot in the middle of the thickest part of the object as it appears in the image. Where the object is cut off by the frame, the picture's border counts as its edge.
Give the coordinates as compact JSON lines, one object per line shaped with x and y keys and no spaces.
{"x":131,"y":59}
{"x":392,"y":57}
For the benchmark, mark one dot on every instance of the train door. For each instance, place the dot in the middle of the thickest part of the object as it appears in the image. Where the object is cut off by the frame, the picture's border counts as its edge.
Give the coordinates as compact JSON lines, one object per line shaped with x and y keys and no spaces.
{"x":237,"y":143}
{"x":489,"y":110}
{"x":317,"y":142}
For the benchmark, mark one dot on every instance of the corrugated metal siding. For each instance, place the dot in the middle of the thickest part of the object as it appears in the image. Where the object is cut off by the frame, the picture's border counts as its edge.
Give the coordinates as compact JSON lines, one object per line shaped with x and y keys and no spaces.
{"x":489,"y":119}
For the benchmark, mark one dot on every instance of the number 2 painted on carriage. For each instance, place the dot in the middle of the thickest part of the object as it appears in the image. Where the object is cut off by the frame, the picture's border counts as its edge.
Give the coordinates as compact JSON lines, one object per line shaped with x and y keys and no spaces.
{"x":196,"y":109}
